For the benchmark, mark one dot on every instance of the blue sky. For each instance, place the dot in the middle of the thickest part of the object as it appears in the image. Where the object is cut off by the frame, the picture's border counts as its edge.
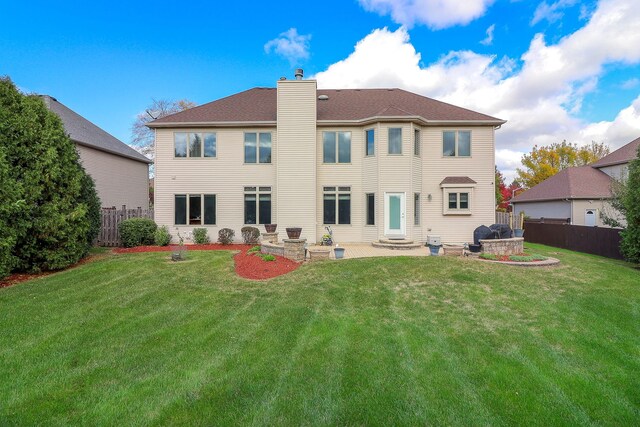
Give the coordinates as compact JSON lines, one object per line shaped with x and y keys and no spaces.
{"x":556,"y":69}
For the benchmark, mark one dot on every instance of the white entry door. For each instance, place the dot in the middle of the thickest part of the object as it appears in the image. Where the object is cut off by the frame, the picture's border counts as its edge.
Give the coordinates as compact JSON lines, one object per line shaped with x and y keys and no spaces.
{"x":395,"y":209}
{"x":590,"y":217}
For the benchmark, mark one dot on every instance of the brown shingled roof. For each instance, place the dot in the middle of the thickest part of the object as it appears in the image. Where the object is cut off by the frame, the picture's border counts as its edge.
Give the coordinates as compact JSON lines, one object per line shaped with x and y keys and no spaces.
{"x":260,"y":105}
{"x":457,"y":180}
{"x":582,"y":182}
{"x":624,"y":154}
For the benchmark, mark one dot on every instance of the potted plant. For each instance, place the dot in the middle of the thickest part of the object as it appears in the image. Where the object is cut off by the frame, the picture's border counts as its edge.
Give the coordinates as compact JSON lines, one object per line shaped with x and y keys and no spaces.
{"x":294,"y":232}
{"x":519,"y":230}
{"x":271,"y":228}
{"x":327,"y":239}
{"x":339,"y":252}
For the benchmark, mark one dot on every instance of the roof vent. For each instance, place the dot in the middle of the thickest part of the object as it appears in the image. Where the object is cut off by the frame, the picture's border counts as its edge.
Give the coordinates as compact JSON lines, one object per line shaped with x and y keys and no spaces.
{"x":283,"y":78}
{"x":299,"y":73}
{"x":323,"y":97}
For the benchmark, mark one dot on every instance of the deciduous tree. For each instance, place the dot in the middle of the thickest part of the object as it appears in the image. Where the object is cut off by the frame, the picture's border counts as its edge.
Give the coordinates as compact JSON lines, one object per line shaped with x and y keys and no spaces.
{"x":142,"y":137}
{"x":546,"y":161}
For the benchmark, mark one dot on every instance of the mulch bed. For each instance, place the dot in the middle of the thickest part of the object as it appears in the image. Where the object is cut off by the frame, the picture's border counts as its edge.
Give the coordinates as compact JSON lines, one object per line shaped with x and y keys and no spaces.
{"x":248,"y":266}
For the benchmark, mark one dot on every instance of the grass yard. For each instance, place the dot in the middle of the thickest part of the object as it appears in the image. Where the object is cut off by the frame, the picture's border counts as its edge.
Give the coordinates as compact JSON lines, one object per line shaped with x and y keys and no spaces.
{"x":136,"y":340}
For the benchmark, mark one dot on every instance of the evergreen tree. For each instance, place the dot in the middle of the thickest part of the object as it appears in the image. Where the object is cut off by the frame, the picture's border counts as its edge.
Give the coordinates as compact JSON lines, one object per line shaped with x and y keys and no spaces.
{"x":49,"y":219}
{"x":630,"y":245}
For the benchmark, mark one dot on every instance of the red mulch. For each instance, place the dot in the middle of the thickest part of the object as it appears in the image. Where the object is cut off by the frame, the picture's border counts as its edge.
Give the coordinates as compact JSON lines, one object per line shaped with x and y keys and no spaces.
{"x":247,"y":266}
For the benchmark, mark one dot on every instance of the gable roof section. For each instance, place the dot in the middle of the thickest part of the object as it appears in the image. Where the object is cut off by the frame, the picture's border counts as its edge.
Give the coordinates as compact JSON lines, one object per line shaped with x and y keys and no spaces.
{"x":83,"y":132}
{"x":582,"y":182}
{"x":353,"y":105}
{"x":624,"y":154}
{"x":452,"y":180}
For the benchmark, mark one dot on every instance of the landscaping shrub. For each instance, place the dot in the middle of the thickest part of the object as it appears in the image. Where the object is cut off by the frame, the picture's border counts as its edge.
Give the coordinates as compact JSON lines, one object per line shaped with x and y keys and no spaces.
{"x":630,"y":243}
{"x":491,"y":257}
{"x":226,"y":235}
{"x":254,"y":249}
{"x":250,"y":235}
{"x":137,"y":232}
{"x":162,"y":237}
{"x":200,"y":236}
{"x":267,"y":257}
{"x":89,"y":197}
{"x":47,"y":217}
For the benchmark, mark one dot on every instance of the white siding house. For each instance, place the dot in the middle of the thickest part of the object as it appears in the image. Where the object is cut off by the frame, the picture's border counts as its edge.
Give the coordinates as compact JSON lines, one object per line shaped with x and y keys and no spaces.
{"x":370,"y":163}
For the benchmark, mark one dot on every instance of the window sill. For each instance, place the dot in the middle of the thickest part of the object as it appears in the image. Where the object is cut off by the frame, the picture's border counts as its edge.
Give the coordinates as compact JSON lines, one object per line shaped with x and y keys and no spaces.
{"x":462,"y":213}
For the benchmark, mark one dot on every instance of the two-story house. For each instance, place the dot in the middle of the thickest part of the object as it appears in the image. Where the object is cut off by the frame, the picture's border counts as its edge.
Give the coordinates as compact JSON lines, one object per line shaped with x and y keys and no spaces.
{"x":371,"y":163}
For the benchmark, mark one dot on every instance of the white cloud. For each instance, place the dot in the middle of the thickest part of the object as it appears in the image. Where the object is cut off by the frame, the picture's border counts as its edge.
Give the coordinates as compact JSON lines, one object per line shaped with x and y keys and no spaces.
{"x":436,"y":14}
{"x":540,"y":99}
{"x":489,"y":39}
{"x":631,"y":83}
{"x":551,"y":12}
{"x":291,"y":45}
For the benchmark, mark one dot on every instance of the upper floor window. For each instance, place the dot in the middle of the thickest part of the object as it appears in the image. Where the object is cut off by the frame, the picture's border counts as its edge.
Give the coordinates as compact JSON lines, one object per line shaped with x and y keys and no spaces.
{"x":194,"y":144}
{"x":456,"y":143}
{"x":195,"y":209}
{"x":257,"y":147}
{"x":370,"y":149}
{"x":395,"y":140}
{"x":336,"y":147}
{"x":416,"y":142}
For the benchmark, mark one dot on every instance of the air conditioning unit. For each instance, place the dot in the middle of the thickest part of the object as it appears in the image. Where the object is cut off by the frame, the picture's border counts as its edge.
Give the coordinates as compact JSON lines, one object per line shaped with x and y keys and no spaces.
{"x":434,"y":241}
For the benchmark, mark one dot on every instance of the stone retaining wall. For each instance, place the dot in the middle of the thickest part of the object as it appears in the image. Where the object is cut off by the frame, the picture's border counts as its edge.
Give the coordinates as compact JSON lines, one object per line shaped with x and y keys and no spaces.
{"x":271,"y":248}
{"x":512,"y":246}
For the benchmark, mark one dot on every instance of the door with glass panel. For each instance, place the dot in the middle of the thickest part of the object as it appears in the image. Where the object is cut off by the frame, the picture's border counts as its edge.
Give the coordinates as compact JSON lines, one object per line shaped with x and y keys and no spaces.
{"x":395,"y":215}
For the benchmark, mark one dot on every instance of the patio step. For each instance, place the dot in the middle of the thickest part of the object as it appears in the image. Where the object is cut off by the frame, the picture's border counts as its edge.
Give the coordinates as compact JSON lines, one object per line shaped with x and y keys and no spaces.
{"x":398,"y":244}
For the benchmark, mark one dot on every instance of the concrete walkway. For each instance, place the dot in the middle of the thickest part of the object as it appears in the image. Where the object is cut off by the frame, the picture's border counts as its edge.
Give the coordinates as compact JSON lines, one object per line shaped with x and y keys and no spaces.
{"x":365,"y":250}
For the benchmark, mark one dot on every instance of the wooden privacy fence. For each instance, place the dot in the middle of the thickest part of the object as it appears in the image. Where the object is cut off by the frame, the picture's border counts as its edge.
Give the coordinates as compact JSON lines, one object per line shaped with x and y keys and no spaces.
{"x":112,"y":217}
{"x":509,"y":219}
{"x":592,"y":240}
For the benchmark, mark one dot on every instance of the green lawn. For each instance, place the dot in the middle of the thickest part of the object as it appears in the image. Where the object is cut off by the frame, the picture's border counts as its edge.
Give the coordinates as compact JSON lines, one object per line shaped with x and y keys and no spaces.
{"x":136,"y":340}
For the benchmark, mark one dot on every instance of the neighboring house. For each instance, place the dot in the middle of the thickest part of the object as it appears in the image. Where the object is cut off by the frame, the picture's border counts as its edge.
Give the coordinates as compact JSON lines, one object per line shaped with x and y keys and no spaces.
{"x":578,"y":193}
{"x":371,"y":163}
{"x":121,"y":174}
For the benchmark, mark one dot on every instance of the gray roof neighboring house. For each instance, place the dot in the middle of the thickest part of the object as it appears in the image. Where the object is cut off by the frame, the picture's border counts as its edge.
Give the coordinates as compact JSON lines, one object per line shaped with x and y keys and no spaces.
{"x":259,"y":105}
{"x":581,"y":182}
{"x":83,"y":132}
{"x":624,"y":154}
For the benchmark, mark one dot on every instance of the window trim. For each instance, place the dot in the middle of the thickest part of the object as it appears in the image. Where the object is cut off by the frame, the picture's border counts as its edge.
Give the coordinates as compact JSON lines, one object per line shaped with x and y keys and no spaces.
{"x":389,"y":141}
{"x":339,"y":190}
{"x":244,"y":154}
{"x":366,"y":142}
{"x":202,"y":213}
{"x":202,"y":146}
{"x":259,"y":190}
{"x":366,"y":210}
{"x":457,"y":190}
{"x":337,"y":147}
{"x":455,"y":147}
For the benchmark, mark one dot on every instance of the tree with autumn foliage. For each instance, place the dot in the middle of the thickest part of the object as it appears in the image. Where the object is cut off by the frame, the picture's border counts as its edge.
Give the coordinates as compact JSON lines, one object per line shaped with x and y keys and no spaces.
{"x":142,"y":137}
{"x":545,"y":161}
{"x":499,"y":183}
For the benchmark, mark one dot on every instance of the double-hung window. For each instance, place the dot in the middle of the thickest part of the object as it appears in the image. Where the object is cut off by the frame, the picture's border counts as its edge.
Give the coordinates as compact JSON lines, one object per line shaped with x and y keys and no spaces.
{"x":337,"y":205}
{"x":456,"y":143}
{"x":370,"y":208}
{"x":395,"y":140}
{"x":336,"y":147}
{"x":194,"y":145}
{"x":458,"y":201}
{"x":370,"y":149}
{"x":257,"y":205}
{"x":257,"y":147}
{"x":195,"y":209}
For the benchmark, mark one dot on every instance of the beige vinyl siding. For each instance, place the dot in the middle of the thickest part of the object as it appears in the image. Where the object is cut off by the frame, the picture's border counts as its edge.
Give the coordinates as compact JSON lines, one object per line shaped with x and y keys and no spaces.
{"x":343,"y":175}
{"x":479,"y":167}
{"x":296,"y":156}
{"x":544,"y":209}
{"x":119,"y":180}
{"x":580,"y":206}
{"x":225,"y":176}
